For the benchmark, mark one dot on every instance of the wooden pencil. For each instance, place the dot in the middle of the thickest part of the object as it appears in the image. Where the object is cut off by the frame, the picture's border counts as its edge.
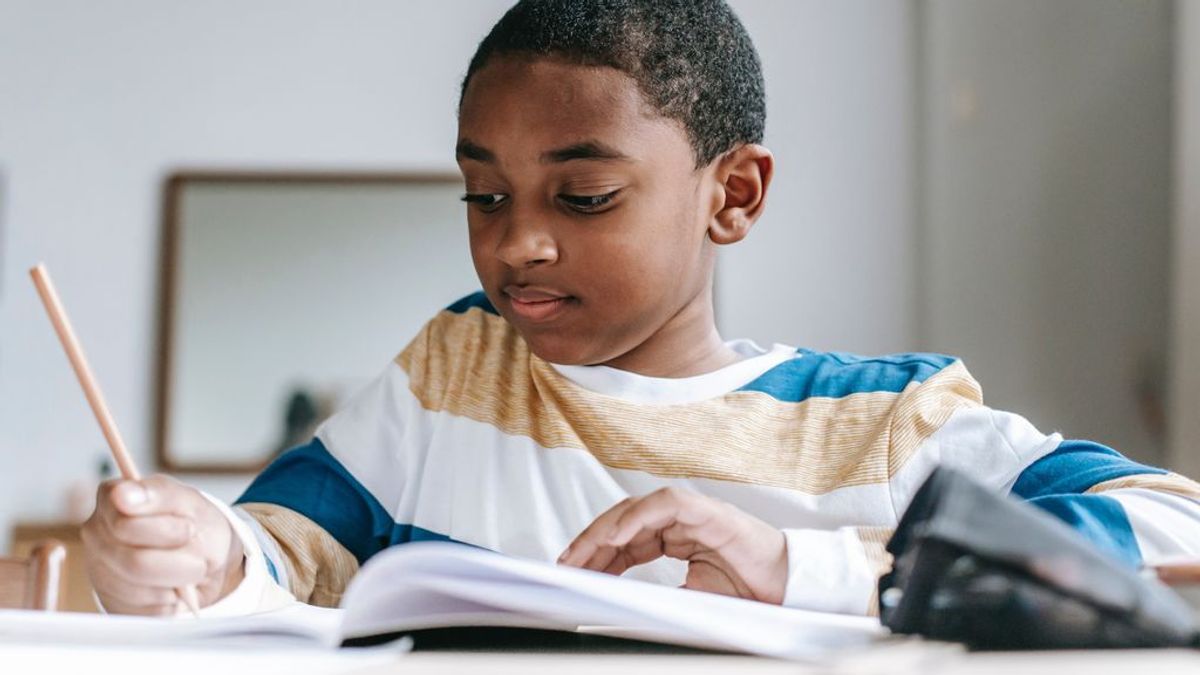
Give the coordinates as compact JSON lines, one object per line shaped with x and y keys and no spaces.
{"x":95,"y":398}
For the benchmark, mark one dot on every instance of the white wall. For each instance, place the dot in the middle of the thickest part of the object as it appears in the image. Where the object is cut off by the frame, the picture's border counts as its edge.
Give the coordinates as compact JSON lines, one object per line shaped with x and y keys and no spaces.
{"x":830,"y":265}
{"x":1184,"y":444}
{"x":99,"y":100}
{"x":1046,"y":207}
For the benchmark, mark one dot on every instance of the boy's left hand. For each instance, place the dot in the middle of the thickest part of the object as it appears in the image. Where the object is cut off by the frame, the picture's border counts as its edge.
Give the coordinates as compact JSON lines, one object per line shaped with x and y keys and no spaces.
{"x":728,"y":551}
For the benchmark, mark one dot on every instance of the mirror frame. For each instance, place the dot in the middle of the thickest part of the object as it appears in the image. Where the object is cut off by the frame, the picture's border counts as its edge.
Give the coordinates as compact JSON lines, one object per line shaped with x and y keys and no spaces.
{"x":173,"y":187}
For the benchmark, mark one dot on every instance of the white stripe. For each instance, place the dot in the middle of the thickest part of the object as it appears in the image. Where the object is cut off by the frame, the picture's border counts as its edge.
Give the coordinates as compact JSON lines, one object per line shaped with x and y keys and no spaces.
{"x":636,"y":388}
{"x":1166,"y":526}
{"x":990,"y":446}
{"x":374,"y":436}
{"x":467,"y":480}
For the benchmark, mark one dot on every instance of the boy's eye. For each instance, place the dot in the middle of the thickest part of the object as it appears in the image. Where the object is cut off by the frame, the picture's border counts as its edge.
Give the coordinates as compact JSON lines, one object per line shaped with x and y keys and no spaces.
{"x":486,"y":202}
{"x":588,"y":203}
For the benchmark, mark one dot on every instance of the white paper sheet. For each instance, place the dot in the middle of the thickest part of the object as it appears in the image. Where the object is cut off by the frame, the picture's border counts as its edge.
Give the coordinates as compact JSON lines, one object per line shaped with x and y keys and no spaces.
{"x":295,"y":625}
{"x":90,"y":659}
{"x":430,"y":585}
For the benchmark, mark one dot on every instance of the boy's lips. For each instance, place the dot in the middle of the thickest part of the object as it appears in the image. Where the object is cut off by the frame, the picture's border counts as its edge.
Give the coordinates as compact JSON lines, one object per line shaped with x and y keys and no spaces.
{"x":536,"y":304}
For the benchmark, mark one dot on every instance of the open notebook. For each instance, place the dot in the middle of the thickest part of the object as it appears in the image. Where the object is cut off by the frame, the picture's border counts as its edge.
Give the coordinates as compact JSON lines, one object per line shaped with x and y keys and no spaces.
{"x":425,"y":586}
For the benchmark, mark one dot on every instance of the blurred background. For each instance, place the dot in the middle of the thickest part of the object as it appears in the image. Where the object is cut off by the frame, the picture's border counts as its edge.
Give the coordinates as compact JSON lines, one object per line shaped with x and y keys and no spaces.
{"x":249,"y":207}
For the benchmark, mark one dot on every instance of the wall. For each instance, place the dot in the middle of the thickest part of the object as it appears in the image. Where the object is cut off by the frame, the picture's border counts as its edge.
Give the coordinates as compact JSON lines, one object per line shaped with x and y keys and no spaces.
{"x":99,"y":100}
{"x":1046,"y":208}
{"x":830,"y":265}
{"x":1185,"y":301}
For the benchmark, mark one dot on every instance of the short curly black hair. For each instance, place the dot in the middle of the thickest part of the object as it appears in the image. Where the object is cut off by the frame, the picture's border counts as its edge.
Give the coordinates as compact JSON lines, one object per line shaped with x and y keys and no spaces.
{"x":692,"y":59}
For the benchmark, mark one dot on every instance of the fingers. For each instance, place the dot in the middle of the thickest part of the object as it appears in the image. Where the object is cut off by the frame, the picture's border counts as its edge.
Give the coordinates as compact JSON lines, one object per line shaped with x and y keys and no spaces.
{"x":156,"y":495}
{"x":123,"y":597}
{"x":647,"y":546}
{"x":727,"y":550}
{"x":117,"y":605}
{"x":156,"y":567}
{"x":139,"y":580}
{"x":130,"y":498}
{"x":670,"y":507}
{"x":129,"y":514}
{"x":150,"y":537}
{"x":637,"y":530}
{"x":594,"y":536}
{"x":152,"y":531}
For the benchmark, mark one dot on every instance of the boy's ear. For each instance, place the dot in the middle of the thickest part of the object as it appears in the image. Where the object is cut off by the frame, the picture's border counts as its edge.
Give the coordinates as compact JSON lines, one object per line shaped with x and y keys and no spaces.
{"x":744,"y":175}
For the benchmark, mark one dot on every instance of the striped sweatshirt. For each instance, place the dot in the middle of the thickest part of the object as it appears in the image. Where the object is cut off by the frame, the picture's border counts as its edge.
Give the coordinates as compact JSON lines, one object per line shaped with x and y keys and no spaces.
{"x":468,"y":436}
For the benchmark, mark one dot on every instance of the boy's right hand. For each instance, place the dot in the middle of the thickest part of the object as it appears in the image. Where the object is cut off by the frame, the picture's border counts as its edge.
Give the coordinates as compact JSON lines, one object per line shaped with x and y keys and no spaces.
{"x":150,"y":537}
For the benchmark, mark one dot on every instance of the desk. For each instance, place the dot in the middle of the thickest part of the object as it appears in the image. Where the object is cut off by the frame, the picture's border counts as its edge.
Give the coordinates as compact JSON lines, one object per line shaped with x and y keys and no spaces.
{"x":1059,"y":663}
{"x":901,"y":660}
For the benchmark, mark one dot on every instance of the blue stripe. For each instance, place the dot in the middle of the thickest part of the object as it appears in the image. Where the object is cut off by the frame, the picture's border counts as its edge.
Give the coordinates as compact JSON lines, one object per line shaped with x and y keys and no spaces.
{"x":477,"y":299}
{"x":1073,"y":467}
{"x":311,"y":482}
{"x":1101,"y":520}
{"x":836,"y":374}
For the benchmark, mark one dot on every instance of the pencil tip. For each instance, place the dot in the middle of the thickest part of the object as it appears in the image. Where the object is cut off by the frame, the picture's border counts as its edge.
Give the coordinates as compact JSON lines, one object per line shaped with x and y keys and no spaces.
{"x":191,"y":599}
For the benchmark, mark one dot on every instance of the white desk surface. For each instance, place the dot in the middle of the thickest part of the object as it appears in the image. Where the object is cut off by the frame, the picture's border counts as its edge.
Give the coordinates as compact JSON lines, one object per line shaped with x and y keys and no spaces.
{"x":905,"y":658}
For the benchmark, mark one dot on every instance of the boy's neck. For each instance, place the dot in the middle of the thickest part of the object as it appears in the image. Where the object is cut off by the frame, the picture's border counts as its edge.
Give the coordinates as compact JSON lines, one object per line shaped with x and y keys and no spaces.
{"x":687,"y":345}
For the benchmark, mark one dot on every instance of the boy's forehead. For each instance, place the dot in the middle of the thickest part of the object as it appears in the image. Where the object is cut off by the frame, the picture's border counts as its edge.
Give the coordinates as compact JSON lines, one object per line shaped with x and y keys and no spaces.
{"x":538,"y":105}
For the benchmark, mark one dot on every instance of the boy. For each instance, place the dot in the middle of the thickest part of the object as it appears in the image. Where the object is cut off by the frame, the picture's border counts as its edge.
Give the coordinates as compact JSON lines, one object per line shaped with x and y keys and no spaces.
{"x":583,"y":408}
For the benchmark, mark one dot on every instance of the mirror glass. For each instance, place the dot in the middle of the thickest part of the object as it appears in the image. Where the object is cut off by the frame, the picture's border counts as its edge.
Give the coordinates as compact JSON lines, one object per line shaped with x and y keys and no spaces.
{"x":283,"y":294}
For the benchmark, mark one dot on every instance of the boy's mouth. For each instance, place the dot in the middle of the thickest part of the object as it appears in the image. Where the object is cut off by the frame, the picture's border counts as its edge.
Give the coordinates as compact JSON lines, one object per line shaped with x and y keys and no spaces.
{"x":536,"y":304}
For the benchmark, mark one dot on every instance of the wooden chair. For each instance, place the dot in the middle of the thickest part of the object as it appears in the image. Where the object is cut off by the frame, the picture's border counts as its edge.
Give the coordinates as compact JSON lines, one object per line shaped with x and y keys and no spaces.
{"x":33,"y":582}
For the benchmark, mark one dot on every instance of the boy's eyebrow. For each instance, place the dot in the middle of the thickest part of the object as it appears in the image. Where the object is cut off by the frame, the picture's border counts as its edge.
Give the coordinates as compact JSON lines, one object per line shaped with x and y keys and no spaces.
{"x":596,"y":150}
{"x":585,"y":150}
{"x":468,"y":150}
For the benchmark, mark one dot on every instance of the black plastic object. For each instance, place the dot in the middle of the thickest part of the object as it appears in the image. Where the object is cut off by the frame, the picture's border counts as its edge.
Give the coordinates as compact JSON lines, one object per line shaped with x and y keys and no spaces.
{"x":516,"y":639}
{"x":995,"y":573}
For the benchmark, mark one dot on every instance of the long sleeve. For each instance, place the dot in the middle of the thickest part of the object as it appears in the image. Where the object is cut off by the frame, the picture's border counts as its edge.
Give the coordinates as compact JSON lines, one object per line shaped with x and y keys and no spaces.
{"x":836,"y":570}
{"x":468,"y":437}
{"x":939,"y":420}
{"x":286,"y":520}
{"x":258,"y":591}
{"x":318,"y":511}
{"x":1140,"y":514}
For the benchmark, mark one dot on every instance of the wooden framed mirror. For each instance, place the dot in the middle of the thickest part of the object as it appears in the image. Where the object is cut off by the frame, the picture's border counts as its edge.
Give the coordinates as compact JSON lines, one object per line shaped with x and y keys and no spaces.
{"x":282,"y":293}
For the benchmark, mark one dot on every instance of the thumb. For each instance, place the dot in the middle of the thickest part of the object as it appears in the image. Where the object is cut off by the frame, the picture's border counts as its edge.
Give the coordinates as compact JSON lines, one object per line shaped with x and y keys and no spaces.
{"x":132,"y":498}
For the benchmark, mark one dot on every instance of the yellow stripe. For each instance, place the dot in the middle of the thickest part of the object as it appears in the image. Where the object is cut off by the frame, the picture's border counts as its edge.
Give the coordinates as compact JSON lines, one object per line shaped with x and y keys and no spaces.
{"x":319,"y":568}
{"x":1172,"y":483}
{"x":475,"y":365}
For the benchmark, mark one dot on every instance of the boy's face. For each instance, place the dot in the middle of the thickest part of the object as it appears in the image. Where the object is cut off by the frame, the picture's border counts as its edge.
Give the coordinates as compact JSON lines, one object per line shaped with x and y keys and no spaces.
{"x":588,"y":218}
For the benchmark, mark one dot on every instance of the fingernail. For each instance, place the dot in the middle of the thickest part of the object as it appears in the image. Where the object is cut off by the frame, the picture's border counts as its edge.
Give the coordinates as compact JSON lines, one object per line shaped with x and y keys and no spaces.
{"x":564,"y":555}
{"x":134,"y":495}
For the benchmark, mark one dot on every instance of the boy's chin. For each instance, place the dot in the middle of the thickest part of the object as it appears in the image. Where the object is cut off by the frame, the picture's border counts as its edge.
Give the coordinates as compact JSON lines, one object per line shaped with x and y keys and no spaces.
{"x":564,"y":352}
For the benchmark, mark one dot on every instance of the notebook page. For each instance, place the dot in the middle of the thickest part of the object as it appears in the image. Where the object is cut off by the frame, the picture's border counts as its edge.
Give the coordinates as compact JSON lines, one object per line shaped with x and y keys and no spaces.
{"x":447,"y":577}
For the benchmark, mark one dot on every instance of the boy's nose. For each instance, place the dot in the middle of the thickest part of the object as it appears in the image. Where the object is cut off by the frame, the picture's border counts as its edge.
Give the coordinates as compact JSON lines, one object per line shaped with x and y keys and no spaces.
{"x":526,"y":246}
